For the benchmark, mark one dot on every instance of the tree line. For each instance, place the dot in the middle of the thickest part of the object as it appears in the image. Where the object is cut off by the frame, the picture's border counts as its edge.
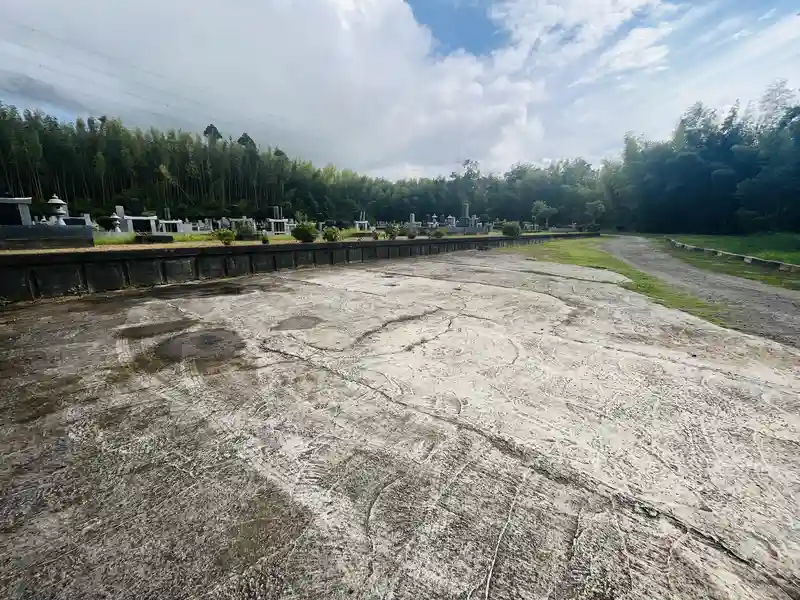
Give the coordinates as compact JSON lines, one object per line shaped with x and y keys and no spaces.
{"x":738,"y":171}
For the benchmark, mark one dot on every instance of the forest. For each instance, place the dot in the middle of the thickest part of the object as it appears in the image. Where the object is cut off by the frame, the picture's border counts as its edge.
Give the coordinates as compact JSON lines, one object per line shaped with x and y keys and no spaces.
{"x":732,"y":172}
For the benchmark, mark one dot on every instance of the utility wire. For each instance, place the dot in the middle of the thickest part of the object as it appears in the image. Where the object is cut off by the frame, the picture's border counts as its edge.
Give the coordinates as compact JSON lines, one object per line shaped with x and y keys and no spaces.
{"x":93,"y":52}
{"x":293,"y":128}
{"x":94,"y":82}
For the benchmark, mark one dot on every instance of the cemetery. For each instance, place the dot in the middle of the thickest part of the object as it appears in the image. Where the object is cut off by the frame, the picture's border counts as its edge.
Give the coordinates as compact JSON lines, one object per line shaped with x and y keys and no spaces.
{"x":28,"y":271}
{"x":19,"y":231}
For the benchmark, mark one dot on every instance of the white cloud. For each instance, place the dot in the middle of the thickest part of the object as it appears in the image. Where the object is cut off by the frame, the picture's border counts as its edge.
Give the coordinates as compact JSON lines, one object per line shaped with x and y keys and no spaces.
{"x":356,"y":82}
{"x":566,"y":30}
{"x":768,"y":15}
{"x":725,"y":27}
{"x":638,"y":50}
{"x":742,"y":33}
{"x":740,"y":71}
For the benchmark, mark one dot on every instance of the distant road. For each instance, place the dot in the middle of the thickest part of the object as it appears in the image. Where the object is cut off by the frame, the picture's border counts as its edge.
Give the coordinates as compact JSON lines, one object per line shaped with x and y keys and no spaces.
{"x":754,"y":307}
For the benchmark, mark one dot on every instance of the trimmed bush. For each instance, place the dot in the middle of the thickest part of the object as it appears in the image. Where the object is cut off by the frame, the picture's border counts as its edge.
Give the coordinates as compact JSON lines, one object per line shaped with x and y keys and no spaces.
{"x":226,"y":236}
{"x":411,"y":234}
{"x":265,"y":239}
{"x":305,"y":232}
{"x":438,"y":234}
{"x":331,"y":234}
{"x":391,"y":232}
{"x":244,"y":231}
{"x":511,"y":229}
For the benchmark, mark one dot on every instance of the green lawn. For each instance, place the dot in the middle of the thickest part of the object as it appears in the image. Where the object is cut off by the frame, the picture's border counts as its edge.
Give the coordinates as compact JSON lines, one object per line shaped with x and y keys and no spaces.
{"x":101,"y":239}
{"x":191,"y":240}
{"x":784,"y":247}
{"x":587,"y":253}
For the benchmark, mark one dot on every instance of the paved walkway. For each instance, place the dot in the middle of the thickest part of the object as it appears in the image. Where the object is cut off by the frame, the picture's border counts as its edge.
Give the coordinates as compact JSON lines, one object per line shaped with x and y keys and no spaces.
{"x":753,"y":307}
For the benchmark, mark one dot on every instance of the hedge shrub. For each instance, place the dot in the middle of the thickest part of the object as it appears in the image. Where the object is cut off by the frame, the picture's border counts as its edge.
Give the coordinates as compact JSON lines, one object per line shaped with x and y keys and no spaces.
{"x":511,"y":229}
{"x":226,"y":236}
{"x":331,"y":234}
{"x":305,"y":232}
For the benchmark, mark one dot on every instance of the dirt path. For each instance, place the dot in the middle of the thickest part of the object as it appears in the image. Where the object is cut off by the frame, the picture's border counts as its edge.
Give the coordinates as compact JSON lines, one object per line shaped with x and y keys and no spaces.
{"x":754,"y":307}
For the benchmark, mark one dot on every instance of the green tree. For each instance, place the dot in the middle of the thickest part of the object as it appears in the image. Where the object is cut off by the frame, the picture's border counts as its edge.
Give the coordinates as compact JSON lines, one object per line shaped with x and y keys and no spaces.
{"x":595,"y":210}
{"x":718,"y":173}
{"x":212,"y":134}
{"x":541,"y":210}
{"x":546,"y":214}
{"x":246,"y":141}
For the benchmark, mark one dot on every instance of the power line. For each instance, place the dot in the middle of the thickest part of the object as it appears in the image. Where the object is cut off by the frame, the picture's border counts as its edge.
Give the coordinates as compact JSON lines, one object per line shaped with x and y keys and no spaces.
{"x":74,"y":76}
{"x":292,"y":127}
{"x":93,"y":52}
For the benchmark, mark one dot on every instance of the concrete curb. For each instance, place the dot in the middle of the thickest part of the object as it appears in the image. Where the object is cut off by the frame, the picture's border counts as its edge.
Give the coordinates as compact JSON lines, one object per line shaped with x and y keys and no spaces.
{"x":775,"y":264}
{"x":50,"y":275}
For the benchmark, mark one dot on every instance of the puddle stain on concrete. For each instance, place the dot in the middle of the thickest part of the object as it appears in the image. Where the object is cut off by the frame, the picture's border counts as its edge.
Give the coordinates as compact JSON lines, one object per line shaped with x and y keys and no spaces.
{"x":299,"y":322}
{"x":212,"y":351}
{"x":207,"y":344}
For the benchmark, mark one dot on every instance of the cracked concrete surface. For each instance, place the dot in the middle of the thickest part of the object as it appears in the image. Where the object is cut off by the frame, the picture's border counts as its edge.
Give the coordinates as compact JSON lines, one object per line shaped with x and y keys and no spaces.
{"x":466,"y":426}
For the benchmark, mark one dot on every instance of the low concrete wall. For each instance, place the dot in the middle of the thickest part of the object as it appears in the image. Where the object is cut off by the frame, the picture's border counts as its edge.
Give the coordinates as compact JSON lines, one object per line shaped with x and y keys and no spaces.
{"x":48,"y":275}
{"x":754,"y":260}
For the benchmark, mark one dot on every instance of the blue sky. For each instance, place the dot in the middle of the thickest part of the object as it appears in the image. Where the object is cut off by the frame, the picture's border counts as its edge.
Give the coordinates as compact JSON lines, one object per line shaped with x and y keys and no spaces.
{"x":398,"y":88}
{"x":469,"y":24}
{"x":460,"y":24}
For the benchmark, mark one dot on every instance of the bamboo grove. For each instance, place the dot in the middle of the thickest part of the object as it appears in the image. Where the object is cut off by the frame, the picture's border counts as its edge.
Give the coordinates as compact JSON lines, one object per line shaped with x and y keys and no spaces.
{"x":733,"y":172}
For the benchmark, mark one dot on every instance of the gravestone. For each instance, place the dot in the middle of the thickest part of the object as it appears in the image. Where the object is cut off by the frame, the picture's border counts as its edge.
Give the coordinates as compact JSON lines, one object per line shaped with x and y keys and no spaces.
{"x":15,"y":211}
{"x":18,"y":231}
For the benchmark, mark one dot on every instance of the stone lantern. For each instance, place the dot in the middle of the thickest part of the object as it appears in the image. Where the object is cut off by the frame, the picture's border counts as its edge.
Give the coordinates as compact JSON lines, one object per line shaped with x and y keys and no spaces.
{"x":59,"y":208}
{"x":115,"y":223}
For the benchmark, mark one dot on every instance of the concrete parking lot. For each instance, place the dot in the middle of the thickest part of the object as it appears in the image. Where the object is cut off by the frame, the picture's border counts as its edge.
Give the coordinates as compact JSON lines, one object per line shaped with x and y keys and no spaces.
{"x":459,"y":426}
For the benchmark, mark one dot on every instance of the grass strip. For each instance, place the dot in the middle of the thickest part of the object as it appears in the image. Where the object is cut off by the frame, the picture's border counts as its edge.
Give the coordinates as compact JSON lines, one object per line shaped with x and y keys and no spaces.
{"x":735,"y":267}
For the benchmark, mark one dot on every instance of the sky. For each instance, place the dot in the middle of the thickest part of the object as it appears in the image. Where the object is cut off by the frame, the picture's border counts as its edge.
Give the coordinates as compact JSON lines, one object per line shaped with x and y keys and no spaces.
{"x":398,"y":88}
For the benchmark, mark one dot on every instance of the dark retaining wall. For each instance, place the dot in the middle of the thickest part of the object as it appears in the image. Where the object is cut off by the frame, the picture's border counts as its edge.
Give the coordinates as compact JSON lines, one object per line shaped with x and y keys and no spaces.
{"x":48,"y":275}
